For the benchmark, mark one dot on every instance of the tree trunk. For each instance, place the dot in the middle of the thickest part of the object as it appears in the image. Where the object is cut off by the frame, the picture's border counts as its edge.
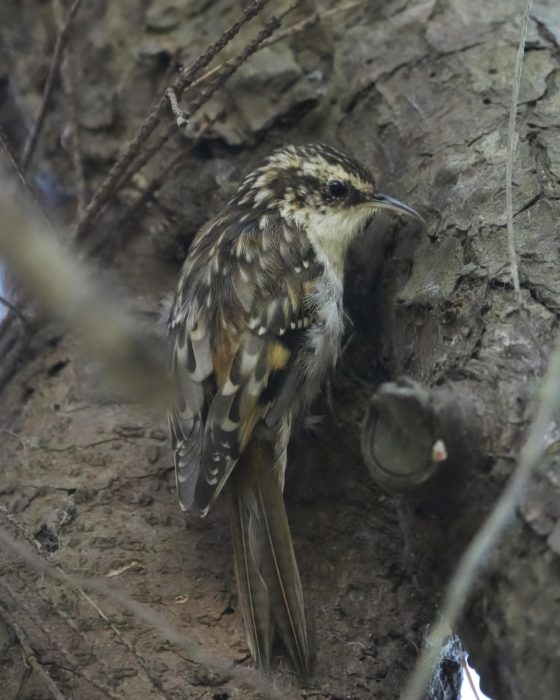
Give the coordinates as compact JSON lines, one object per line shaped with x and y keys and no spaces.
{"x":420,"y":91}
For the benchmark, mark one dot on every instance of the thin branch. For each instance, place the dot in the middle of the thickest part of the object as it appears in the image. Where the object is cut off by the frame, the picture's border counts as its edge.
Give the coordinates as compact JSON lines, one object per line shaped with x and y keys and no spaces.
{"x":14,"y":309}
{"x":61,"y":41}
{"x":21,"y":177}
{"x":485,"y":540}
{"x":108,"y":187}
{"x":468,"y":674}
{"x":292,"y":30}
{"x":133,"y":211}
{"x":510,"y":153}
{"x":153,"y":619}
{"x":227,"y":70}
{"x":30,"y":656}
{"x":310,"y":21}
{"x":69,"y":85}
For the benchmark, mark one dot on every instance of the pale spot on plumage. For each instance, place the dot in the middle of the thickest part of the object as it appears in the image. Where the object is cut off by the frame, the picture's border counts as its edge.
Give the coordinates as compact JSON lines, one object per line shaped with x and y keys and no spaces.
{"x":229,"y":388}
{"x":262,"y":195}
{"x":197,"y":331}
{"x":244,"y":274}
{"x":229,"y":425}
{"x":264,"y":223}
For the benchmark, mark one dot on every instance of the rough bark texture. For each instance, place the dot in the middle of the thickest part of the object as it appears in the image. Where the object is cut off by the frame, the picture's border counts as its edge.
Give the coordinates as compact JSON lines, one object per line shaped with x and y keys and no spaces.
{"x":420,"y":91}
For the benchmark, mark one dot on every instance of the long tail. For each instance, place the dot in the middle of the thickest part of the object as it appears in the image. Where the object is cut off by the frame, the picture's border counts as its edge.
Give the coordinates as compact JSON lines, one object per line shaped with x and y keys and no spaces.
{"x":268,"y":582}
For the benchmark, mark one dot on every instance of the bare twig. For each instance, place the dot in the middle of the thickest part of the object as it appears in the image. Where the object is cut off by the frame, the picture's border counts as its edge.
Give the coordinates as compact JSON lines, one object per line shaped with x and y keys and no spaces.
{"x":510,"y":153}
{"x":132,"y":212}
{"x":21,"y":176}
{"x":155,"y":620}
{"x":227,"y":70}
{"x":68,"y":82}
{"x":296,"y":28}
{"x":147,"y":154}
{"x":148,"y":126}
{"x":310,"y":21}
{"x":14,"y":309}
{"x":486,"y":538}
{"x":230,"y":67}
{"x":468,"y":674}
{"x":61,"y":41}
{"x":29,"y":655}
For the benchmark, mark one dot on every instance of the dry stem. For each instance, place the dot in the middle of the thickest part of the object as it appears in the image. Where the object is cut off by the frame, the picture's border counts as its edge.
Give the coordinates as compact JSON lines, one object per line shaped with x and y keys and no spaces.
{"x":510,"y":154}
{"x":61,"y":41}
{"x":114,"y":178}
{"x":68,"y":82}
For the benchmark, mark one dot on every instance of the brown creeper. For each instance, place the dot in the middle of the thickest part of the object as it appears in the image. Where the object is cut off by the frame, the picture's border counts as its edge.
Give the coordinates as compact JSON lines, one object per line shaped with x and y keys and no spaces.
{"x":255,"y":327}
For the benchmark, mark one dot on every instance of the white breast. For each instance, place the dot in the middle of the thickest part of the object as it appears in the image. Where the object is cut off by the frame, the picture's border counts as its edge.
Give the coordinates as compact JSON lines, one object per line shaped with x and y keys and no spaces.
{"x":325,"y":332}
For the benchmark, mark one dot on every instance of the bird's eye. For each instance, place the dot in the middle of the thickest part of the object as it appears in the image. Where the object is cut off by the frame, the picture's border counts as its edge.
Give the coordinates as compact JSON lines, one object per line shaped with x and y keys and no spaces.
{"x":338,"y":189}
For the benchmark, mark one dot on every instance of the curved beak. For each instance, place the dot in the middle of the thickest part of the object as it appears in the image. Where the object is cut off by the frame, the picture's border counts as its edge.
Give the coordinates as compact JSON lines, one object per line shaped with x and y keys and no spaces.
{"x":382,"y":201}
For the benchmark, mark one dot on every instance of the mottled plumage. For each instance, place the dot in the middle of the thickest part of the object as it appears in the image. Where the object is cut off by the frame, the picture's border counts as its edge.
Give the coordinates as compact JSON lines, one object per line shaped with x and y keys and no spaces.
{"x":255,"y":326}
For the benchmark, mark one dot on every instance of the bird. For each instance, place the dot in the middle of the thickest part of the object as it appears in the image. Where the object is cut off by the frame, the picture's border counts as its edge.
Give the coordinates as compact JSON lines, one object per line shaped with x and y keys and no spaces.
{"x":255,"y":327}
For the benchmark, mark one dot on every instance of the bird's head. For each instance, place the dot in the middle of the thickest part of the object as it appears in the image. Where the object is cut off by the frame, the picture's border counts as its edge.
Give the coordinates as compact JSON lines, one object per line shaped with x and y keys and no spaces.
{"x":319,"y":189}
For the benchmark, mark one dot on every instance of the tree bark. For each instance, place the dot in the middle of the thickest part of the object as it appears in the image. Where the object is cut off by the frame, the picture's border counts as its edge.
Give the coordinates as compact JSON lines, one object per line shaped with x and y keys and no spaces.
{"x":420,"y":91}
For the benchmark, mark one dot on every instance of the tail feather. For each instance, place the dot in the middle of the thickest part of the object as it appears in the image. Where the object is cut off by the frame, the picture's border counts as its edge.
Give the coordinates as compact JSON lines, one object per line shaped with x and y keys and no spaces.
{"x":269,"y":586}
{"x":254,"y":599}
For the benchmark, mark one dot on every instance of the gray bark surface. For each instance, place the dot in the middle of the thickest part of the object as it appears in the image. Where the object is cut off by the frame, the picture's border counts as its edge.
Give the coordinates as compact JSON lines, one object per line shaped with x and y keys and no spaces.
{"x":420,"y":91}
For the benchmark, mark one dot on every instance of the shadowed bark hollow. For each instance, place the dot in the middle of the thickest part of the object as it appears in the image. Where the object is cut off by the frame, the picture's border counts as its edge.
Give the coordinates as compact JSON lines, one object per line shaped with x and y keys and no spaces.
{"x":420,"y":91}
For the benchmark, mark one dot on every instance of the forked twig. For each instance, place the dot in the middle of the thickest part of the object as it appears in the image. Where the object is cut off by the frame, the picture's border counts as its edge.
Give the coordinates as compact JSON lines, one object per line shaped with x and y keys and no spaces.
{"x":226,"y":71}
{"x":148,"y":126}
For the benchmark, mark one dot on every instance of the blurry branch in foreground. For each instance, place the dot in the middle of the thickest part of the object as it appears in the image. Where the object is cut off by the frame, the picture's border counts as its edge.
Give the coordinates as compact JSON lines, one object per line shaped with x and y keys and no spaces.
{"x":65,"y":288}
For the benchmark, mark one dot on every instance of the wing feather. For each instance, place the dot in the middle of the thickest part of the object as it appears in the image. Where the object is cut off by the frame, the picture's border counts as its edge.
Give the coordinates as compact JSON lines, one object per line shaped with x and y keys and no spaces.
{"x":236,"y":324}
